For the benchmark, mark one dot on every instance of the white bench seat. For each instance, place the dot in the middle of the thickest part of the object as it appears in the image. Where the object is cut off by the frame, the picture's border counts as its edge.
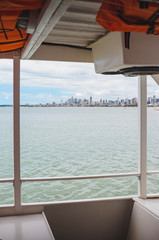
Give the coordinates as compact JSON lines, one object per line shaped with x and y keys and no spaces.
{"x":25,"y":227}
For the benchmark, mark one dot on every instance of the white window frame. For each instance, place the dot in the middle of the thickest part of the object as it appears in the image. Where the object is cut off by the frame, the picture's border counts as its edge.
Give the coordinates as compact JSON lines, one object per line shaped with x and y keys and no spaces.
{"x":17,"y":180}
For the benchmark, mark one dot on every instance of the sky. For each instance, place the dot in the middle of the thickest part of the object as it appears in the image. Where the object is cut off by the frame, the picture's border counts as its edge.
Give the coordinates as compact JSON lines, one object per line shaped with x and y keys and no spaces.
{"x":47,"y":82}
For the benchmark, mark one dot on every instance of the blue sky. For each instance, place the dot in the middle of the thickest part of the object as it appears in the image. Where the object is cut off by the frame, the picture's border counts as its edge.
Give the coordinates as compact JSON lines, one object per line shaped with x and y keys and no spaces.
{"x":45,"y":82}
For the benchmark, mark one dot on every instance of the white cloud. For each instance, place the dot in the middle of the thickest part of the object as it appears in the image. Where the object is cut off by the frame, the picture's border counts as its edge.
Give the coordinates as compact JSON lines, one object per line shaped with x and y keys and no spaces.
{"x":6,"y":73}
{"x":6,"y":95}
{"x":152,"y":87}
{"x":37,"y":98}
{"x":73,"y":79}
{"x":76,"y":79}
{"x":6,"y":98}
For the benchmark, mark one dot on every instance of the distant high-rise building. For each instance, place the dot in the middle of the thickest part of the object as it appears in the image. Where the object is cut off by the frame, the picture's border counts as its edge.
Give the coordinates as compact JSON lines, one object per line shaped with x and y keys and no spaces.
{"x":90,"y":100}
{"x":149,"y":100}
{"x":134,"y":101}
{"x":117,"y":102}
{"x":154,"y":99}
{"x":126,"y":101}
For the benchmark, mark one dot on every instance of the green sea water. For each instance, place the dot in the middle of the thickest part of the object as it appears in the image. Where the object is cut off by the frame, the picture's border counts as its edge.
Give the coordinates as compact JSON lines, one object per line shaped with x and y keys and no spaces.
{"x":58,"y":142}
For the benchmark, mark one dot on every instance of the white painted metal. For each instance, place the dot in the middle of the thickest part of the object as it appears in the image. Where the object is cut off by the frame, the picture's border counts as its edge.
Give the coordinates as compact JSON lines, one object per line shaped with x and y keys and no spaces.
{"x":152,"y":172}
{"x":47,"y":11}
{"x":135,"y":174}
{"x":16,"y":133}
{"x":110,"y":53}
{"x":48,"y":226}
{"x":43,"y":204}
{"x":53,"y":12}
{"x":156,"y":195}
{"x":6,"y":180}
{"x":33,"y":15}
{"x":144,"y":222}
{"x":25,"y":227}
{"x":33,"y":208}
{"x":9,"y":210}
{"x":142,"y":101}
{"x":62,"y":53}
{"x":151,"y":205}
{"x":78,"y":25}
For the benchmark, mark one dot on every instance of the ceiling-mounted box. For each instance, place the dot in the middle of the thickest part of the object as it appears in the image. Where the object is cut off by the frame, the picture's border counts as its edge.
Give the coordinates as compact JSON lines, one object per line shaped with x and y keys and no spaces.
{"x":111,"y":56}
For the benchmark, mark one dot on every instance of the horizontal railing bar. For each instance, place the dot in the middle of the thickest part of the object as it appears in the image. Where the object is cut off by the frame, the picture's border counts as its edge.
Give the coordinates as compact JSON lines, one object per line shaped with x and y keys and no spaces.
{"x":152,"y":172}
{"x":153,"y":195}
{"x":11,"y":180}
{"x":80,"y":201}
{"x":6,"y":180}
{"x":80,"y":177}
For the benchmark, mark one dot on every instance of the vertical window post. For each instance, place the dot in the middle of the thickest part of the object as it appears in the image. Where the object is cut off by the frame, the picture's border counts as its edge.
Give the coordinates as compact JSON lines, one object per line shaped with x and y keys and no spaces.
{"x":142,"y":105}
{"x":16,"y":127}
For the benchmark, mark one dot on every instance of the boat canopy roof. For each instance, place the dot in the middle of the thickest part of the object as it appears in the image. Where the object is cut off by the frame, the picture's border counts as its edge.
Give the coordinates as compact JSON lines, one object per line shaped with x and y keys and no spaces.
{"x":56,"y":30}
{"x":60,"y":30}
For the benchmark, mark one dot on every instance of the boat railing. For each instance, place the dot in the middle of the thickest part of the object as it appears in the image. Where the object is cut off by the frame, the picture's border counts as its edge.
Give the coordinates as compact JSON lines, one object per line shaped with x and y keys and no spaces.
{"x":141,"y":174}
{"x":84,"y":177}
{"x":47,"y":179}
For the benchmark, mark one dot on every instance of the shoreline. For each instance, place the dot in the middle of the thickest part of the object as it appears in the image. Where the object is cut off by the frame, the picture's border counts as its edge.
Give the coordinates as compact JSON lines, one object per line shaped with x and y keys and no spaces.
{"x":36,"y":106}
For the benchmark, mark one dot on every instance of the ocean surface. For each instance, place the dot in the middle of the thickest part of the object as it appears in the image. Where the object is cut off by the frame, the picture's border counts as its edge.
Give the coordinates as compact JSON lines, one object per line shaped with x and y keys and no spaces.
{"x":58,"y":142}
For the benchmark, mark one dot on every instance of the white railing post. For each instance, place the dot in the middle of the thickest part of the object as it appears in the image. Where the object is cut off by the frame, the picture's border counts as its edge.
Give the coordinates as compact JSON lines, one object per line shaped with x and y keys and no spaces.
{"x":16,"y":127}
{"x":142,"y":105}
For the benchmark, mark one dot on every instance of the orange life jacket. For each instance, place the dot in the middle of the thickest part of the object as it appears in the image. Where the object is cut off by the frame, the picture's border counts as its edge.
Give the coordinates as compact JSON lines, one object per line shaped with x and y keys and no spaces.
{"x":12,"y":37}
{"x":129,"y":16}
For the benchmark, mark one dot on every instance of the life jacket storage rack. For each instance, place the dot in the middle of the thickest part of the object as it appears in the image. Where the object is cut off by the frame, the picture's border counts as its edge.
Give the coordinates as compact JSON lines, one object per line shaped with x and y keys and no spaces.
{"x":12,"y":36}
{"x":129,"y":16}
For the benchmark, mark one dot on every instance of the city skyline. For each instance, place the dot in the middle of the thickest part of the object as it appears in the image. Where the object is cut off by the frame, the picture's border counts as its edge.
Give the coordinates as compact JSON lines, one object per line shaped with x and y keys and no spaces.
{"x":75,"y":102}
{"x":47,"y":82}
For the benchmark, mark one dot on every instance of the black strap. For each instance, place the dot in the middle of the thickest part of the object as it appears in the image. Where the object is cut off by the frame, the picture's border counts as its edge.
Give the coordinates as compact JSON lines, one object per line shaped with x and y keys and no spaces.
{"x":8,"y":30}
{"x":139,"y":22}
{"x":143,"y":5}
{"x":11,"y":50}
{"x":3,"y":29}
{"x":19,"y":31}
{"x":127,"y":40}
{"x":5,"y":43}
{"x":151,"y":22}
